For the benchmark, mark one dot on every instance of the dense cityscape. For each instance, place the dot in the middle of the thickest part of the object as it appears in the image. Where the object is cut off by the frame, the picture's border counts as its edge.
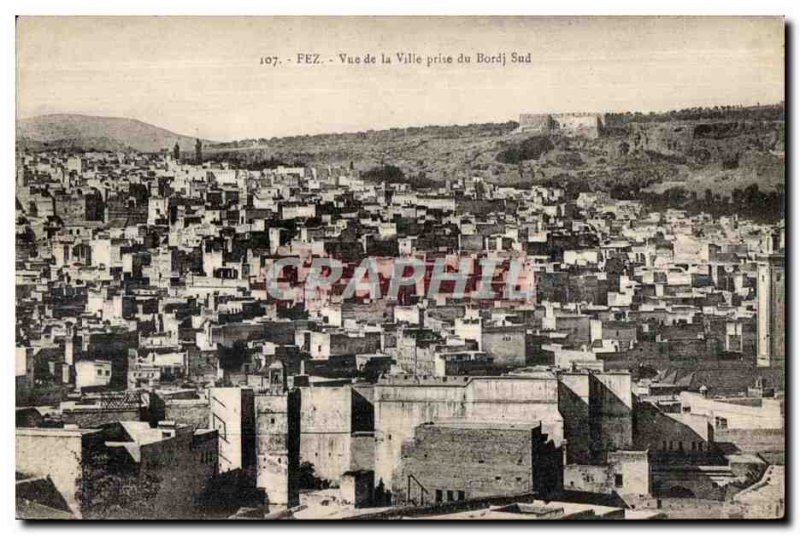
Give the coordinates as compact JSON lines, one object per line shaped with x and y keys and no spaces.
{"x":551,"y":354}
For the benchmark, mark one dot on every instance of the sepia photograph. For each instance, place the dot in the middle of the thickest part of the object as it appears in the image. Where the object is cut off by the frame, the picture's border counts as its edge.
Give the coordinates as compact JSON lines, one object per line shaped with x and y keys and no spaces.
{"x":524,"y":268}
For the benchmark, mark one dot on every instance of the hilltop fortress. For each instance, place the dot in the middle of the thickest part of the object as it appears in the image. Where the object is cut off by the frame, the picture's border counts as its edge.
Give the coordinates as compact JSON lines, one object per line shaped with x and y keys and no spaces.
{"x":586,"y":125}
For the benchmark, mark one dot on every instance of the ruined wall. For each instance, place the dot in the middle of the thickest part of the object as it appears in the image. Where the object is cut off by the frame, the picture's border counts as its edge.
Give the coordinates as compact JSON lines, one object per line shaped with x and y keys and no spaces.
{"x":534,"y":123}
{"x":524,"y":398}
{"x":597,"y":408}
{"x":362,"y":451}
{"x":183,"y":466}
{"x":278,"y":447}
{"x":610,"y":413}
{"x":573,"y":404}
{"x":470,"y":462}
{"x":403,"y":402}
{"x":325,"y":427}
{"x":53,"y":453}
{"x":587,"y":125}
{"x":399,"y":408}
{"x":578,"y":125}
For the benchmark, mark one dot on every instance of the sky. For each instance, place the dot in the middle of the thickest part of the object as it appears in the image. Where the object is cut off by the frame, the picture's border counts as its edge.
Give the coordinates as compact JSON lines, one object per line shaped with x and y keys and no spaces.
{"x":201,"y":76}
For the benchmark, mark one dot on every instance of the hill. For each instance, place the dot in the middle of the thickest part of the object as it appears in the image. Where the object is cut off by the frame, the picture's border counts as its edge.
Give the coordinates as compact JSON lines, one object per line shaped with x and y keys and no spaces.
{"x":720,"y":148}
{"x":85,"y":132}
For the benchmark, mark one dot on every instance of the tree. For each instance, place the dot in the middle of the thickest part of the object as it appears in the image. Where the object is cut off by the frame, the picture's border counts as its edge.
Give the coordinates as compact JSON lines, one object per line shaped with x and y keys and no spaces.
{"x":41,"y":371}
{"x":308,"y":478}
{"x":531,"y":148}
{"x":110,"y":489}
{"x":388,"y":173}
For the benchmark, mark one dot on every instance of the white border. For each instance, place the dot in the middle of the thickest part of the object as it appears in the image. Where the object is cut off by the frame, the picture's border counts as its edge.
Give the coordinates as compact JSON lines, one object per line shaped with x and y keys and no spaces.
{"x":341,"y":7}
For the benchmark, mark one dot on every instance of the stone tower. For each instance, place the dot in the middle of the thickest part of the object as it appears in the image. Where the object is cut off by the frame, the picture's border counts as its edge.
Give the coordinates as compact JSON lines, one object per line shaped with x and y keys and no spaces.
{"x":771,"y":310}
{"x":198,"y":152}
{"x":278,"y":440}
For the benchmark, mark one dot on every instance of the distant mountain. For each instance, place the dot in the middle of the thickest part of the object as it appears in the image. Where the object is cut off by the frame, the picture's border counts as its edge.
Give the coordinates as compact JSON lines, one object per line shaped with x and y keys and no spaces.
{"x":86,"y":132}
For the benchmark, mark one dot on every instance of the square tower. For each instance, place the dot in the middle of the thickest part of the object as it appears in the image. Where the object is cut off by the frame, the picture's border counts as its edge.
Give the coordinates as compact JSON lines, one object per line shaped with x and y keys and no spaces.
{"x":771,"y":310}
{"x":278,"y":440}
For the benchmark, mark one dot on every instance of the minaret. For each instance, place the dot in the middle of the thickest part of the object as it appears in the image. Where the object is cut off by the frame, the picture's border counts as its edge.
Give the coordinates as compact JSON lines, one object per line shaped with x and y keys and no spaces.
{"x":771,"y":310}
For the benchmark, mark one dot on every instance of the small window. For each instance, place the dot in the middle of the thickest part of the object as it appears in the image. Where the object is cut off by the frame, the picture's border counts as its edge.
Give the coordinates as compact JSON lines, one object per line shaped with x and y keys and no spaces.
{"x":617,"y":480}
{"x":462,"y":495}
{"x":450,"y":496}
{"x":438,"y":495}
